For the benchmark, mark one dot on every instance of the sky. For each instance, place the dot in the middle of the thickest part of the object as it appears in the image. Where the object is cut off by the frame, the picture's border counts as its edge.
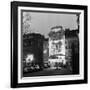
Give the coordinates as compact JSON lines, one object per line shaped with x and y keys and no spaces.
{"x":42,"y":23}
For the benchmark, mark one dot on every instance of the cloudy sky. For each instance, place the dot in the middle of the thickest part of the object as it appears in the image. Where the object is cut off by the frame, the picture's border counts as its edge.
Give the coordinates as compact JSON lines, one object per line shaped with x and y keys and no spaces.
{"x":43,"y":22}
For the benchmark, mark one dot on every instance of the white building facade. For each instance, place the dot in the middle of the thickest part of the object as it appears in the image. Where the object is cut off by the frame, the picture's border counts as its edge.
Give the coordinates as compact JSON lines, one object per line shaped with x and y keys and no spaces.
{"x":57,"y":46}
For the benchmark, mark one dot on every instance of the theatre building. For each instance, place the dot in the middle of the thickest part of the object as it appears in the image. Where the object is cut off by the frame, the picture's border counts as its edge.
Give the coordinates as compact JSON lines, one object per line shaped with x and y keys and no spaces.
{"x":56,"y":46}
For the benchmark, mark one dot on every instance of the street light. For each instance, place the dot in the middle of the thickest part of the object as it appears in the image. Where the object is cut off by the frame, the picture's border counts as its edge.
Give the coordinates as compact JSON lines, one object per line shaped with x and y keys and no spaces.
{"x":30,"y":58}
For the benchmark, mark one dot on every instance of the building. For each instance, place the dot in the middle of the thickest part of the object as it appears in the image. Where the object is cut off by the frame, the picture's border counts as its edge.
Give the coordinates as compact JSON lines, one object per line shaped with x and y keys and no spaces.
{"x":56,"y":46}
{"x":46,"y":50}
{"x":72,"y":49}
{"x":64,"y":47}
{"x":33,"y":48}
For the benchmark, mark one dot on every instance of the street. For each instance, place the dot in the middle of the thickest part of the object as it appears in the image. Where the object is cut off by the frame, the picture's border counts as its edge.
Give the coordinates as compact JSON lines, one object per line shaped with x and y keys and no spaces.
{"x":47,"y":72}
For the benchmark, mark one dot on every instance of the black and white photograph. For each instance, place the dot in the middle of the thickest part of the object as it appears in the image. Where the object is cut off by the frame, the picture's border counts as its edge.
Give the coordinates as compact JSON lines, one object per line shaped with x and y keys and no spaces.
{"x":49,"y":44}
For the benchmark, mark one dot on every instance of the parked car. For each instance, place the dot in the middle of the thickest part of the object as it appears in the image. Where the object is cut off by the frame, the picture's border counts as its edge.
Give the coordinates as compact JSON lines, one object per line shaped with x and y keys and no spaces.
{"x":31,"y":68}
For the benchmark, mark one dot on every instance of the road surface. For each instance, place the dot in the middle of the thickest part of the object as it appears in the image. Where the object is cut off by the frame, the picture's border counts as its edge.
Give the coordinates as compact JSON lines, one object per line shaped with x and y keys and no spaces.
{"x":47,"y":72}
